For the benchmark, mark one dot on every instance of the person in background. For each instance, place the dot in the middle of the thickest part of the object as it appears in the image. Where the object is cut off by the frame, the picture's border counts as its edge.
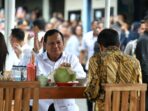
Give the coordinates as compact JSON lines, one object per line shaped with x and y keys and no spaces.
{"x":87,"y":48}
{"x":2,"y":21}
{"x":3,"y":53}
{"x":141,"y":53}
{"x":20,"y":53}
{"x":36,"y":13}
{"x":66,"y":31}
{"x":51,"y":59}
{"x":110,"y":65}
{"x":134,"y":31}
{"x":37,"y":34}
{"x":49,"y":26}
{"x":75,"y":41}
{"x":131,"y":46}
{"x":21,"y":14}
{"x":124,"y":35}
{"x":88,"y":41}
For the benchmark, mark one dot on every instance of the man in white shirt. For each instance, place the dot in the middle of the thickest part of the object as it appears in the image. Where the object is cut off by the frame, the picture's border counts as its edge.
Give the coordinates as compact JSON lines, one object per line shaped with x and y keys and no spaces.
{"x":88,"y":41}
{"x":19,"y":53}
{"x":54,"y":57}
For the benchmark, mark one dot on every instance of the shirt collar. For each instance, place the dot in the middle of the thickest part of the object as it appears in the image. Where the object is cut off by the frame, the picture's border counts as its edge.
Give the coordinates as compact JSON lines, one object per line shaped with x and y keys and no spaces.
{"x":45,"y":57}
{"x":113,"y":48}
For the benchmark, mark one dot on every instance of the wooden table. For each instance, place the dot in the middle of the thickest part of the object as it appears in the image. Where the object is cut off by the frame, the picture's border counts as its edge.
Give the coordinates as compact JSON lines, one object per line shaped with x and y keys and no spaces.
{"x":61,"y":92}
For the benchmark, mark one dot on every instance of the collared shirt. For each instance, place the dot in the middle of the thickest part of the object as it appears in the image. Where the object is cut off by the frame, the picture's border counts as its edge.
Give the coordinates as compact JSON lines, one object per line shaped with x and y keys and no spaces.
{"x":111,"y":66}
{"x":88,"y":43}
{"x":46,"y":66}
{"x":23,"y":60}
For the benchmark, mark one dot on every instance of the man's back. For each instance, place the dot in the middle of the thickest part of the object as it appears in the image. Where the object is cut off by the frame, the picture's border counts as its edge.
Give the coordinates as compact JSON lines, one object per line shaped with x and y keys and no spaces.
{"x":118,"y":67}
{"x":111,"y":66}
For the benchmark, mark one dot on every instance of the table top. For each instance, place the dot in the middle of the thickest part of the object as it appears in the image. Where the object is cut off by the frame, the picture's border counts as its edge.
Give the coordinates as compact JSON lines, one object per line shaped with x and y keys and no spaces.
{"x":55,"y":92}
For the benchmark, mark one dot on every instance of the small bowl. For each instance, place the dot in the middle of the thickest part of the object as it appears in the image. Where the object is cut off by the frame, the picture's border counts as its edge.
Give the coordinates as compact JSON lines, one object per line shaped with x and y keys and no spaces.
{"x":66,"y":83}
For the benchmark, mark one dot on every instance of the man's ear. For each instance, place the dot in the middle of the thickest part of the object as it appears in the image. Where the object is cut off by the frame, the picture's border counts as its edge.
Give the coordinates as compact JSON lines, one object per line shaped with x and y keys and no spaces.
{"x":102,"y":48}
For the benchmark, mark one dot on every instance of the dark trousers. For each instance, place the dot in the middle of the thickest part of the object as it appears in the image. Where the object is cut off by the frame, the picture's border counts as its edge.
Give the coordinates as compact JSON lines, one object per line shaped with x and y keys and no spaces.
{"x":89,"y":105}
{"x":146,"y":105}
{"x":51,"y":107}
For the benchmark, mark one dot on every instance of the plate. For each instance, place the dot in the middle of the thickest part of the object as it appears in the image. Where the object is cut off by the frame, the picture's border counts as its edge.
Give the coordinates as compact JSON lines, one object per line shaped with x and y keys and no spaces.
{"x":66,"y":83}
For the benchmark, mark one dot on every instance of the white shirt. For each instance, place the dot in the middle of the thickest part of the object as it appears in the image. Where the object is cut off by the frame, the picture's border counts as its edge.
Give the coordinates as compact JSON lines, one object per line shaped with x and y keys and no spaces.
{"x":46,"y":66}
{"x":130,"y":47}
{"x":26,"y":55}
{"x":88,"y":43}
{"x":12,"y":58}
{"x":40,"y":36}
{"x":73,"y":45}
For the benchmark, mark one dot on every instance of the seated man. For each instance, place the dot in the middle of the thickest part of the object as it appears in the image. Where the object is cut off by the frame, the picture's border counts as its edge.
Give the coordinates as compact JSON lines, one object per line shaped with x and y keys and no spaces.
{"x":19,"y":52}
{"x":110,"y":66}
{"x":51,"y":59}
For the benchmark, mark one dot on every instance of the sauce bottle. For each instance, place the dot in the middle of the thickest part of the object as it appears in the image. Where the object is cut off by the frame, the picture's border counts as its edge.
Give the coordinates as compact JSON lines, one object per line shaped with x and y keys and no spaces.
{"x":31,"y":69}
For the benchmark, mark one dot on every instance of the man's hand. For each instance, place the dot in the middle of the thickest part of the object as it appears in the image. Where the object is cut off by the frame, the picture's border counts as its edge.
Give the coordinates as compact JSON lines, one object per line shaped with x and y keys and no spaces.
{"x":64,"y":64}
{"x":17,"y":49}
{"x":30,"y":35}
{"x":37,"y":44}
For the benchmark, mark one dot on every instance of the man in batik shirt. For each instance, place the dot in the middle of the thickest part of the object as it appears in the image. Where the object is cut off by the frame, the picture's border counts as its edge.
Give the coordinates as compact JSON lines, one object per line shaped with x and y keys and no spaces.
{"x":110,"y":66}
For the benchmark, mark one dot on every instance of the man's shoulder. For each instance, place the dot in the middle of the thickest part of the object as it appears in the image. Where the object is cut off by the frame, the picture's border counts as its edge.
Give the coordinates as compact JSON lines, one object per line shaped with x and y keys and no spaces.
{"x":129,"y":59}
{"x":143,"y":37}
{"x":41,"y":55}
{"x":95,"y":57}
{"x":118,"y":56}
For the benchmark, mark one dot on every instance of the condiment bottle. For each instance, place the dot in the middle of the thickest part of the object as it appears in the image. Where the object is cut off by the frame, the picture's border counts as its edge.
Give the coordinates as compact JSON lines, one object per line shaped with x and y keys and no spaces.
{"x":31,"y":69}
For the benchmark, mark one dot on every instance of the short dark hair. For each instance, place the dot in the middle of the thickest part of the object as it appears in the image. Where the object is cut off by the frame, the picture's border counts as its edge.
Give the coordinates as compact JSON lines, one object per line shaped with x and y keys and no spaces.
{"x":18,"y":34}
{"x":51,"y":32}
{"x":40,"y":23}
{"x":3,"y":52}
{"x":108,"y":37}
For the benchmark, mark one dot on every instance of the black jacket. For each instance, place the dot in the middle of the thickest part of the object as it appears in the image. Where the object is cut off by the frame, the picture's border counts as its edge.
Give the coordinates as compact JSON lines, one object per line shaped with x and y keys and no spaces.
{"x":142,"y":55}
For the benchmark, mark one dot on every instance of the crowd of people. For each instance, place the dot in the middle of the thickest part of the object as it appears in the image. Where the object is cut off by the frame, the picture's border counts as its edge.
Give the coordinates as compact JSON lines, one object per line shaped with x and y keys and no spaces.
{"x":114,"y":55}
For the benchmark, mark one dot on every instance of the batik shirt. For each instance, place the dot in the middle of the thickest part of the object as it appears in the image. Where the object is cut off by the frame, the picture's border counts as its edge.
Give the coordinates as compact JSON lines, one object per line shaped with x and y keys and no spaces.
{"x":110,"y":66}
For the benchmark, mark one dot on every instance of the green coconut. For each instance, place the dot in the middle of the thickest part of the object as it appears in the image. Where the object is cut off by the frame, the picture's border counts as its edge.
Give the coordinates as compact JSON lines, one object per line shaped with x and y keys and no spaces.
{"x":64,"y":74}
